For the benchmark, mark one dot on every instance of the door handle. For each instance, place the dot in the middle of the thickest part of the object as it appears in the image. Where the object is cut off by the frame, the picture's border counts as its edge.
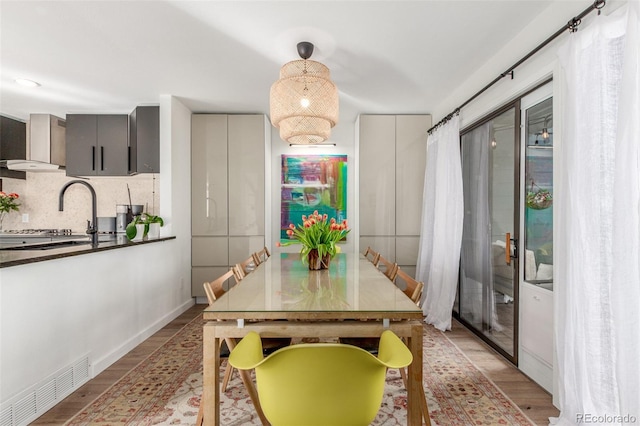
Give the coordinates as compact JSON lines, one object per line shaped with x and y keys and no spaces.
{"x":507,"y":250}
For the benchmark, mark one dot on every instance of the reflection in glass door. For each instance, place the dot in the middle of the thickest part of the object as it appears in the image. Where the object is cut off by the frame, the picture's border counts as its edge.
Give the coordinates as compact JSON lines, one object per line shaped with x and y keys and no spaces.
{"x":487,"y":299}
{"x":538,"y":189}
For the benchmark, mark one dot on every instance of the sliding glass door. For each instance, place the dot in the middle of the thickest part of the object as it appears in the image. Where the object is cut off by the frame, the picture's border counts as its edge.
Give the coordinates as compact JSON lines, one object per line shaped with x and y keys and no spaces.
{"x":487,"y":297}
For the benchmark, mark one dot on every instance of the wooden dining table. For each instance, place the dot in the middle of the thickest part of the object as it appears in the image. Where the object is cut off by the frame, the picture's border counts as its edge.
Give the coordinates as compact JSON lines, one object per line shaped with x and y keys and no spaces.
{"x":282,"y":298}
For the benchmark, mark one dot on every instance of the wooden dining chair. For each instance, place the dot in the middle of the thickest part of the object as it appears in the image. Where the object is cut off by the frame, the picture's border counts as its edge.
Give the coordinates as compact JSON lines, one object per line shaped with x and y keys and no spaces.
{"x":390,"y":269}
{"x":412,"y":288}
{"x":214,"y":290}
{"x":262,"y":255}
{"x":372,"y":255}
{"x":245,"y":267}
{"x":241,"y":270}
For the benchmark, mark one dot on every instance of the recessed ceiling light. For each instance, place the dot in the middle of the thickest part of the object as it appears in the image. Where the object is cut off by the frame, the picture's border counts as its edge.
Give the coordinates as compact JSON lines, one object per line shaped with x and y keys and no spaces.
{"x":27,"y":83}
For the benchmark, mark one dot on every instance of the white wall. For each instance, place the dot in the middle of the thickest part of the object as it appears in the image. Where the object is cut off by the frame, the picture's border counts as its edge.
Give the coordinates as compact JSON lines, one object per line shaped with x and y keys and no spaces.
{"x":104,"y":304}
{"x":534,"y":71}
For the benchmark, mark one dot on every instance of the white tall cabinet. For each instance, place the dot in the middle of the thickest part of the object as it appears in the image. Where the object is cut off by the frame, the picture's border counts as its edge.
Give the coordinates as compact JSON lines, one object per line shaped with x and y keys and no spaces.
{"x":227,"y":192}
{"x":392,"y":160}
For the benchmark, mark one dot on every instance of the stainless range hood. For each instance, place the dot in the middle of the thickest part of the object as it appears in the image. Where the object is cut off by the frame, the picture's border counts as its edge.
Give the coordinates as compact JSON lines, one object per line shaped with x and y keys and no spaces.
{"x":45,"y":145}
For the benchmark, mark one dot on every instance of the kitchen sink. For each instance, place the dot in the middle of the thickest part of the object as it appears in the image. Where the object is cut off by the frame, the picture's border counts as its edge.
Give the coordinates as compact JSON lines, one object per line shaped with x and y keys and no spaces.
{"x":48,"y":245}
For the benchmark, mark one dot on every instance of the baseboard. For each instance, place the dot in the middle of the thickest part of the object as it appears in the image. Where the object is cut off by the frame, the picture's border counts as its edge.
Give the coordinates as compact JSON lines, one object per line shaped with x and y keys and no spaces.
{"x":99,"y":365}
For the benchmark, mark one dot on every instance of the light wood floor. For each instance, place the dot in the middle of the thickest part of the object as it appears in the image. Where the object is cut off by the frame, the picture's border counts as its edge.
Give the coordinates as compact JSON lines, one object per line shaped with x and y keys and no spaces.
{"x":531,"y":398}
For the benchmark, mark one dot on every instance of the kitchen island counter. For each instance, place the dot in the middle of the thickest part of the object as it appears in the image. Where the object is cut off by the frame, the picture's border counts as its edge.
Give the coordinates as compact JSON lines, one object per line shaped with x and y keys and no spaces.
{"x":10,"y":258}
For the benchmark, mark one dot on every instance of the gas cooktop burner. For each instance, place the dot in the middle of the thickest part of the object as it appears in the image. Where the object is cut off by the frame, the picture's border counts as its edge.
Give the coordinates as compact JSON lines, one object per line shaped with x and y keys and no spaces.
{"x":45,"y":232}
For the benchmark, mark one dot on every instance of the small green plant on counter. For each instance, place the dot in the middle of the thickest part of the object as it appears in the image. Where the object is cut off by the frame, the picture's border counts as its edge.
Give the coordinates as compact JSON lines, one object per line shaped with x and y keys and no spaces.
{"x":142,"y":219}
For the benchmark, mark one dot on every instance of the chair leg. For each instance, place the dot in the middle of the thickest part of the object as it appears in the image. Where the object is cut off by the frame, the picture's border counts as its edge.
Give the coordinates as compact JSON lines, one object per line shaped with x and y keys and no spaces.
{"x":425,"y":408}
{"x":228,"y":372}
{"x":200,"y":418}
{"x":231,"y":343}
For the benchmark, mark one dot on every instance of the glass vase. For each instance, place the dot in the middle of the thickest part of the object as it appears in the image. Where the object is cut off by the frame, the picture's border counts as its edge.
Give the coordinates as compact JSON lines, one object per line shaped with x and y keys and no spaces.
{"x":317,"y":263}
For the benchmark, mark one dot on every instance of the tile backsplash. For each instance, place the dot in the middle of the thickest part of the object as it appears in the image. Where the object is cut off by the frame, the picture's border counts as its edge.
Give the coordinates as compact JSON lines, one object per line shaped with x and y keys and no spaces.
{"x":39,"y":195}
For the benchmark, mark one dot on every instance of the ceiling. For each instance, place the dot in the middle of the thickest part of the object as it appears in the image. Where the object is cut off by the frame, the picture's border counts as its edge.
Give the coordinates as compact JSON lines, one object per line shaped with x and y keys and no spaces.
{"x":392,"y":57}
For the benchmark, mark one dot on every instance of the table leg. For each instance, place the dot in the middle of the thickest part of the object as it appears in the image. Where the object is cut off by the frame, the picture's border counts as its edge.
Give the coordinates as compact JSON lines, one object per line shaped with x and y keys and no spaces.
{"x":210,"y":376}
{"x":414,"y":395}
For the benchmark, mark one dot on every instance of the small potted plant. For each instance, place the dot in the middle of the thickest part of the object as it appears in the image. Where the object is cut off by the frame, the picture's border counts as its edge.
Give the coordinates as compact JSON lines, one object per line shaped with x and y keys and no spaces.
{"x":538,"y":198}
{"x":152,"y":225}
{"x":144,"y":225}
{"x":136,"y":229}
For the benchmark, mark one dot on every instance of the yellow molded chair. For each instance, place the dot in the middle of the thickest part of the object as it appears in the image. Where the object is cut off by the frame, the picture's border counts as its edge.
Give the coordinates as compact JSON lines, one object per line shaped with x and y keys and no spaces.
{"x":320,"y":383}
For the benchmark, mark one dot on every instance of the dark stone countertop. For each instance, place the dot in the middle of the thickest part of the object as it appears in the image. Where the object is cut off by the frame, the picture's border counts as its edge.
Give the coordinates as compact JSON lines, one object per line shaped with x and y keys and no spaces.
{"x":106,"y":242}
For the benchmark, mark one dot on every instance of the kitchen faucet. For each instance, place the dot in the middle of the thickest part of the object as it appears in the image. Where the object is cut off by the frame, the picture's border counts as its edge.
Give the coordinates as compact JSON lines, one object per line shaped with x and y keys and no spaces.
{"x":92,"y":227}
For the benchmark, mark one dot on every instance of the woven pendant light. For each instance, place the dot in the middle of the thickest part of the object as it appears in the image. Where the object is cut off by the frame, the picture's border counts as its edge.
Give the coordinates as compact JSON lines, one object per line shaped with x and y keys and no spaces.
{"x":304,"y":101}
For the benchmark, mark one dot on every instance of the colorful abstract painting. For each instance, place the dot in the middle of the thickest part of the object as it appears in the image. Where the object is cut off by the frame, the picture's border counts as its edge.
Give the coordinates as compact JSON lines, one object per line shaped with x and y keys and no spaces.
{"x":312,"y":182}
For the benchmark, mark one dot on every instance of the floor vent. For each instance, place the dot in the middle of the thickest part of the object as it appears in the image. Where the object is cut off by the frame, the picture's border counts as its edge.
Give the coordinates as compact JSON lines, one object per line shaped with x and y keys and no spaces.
{"x":33,"y":403}
{"x":24,"y":409}
{"x":6,"y":416}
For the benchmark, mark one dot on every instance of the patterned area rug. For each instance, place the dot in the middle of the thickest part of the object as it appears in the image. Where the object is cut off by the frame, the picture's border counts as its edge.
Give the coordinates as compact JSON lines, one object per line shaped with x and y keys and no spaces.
{"x":165,"y":389}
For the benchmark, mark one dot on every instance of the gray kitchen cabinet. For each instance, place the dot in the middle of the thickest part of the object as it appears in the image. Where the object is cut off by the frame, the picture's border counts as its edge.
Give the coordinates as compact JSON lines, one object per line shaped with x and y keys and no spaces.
{"x":97,"y":145}
{"x":13,"y":145}
{"x":144,"y":140}
{"x":227,"y":192}
{"x":392,"y":161}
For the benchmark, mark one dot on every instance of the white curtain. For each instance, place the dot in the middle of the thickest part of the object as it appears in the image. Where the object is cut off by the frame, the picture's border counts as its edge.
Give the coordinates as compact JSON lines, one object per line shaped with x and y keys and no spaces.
{"x":441,"y":230}
{"x":597,"y":202}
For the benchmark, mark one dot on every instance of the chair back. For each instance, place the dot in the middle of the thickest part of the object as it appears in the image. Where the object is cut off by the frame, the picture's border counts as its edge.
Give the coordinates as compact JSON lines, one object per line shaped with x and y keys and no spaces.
{"x":245,"y":267}
{"x":390,"y":269}
{"x":320,"y":383}
{"x":261,"y":256}
{"x":372,"y":255}
{"x":215,"y":288}
{"x":413,"y":288}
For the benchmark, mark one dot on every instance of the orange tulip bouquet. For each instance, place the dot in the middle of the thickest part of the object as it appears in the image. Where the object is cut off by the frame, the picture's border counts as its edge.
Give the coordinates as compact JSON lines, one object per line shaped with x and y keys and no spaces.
{"x":318,"y":235}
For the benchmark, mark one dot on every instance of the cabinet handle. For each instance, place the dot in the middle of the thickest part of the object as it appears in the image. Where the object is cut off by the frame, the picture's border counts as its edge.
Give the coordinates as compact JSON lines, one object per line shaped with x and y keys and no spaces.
{"x":93,"y":158}
{"x":101,"y":158}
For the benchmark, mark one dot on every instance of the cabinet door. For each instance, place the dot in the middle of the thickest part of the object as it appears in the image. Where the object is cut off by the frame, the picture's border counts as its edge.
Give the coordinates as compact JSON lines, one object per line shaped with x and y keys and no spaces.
{"x":246,"y":136}
{"x":209,"y":212}
{"x":209,"y":251}
{"x":411,"y":160}
{"x":13,"y":145}
{"x":81,"y":144}
{"x":112,"y":145}
{"x":144,"y":140}
{"x":377,"y":175}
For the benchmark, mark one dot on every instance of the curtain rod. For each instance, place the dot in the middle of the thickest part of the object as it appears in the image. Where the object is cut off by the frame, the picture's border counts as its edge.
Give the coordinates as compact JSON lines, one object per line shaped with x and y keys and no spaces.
{"x":572,"y":26}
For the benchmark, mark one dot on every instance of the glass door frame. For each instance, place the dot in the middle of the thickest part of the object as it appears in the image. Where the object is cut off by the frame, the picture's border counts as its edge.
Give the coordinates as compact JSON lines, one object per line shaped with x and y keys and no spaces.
{"x":518,"y":217}
{"x":513,"y":358}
